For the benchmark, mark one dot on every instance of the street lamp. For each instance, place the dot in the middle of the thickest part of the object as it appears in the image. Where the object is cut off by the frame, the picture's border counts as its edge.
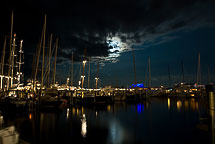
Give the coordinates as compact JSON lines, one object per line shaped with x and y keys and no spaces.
{"x":82,"y":79}
{"x":96,"y":81}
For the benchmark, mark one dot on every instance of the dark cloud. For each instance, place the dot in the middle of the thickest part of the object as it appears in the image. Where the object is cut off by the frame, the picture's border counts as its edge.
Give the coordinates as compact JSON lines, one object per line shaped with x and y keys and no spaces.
{"x":86,"y":24}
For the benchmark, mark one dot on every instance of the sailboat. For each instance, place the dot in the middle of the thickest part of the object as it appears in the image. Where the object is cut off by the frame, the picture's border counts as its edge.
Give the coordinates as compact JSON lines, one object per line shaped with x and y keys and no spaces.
{"x":136,"y":89}
{"x":189,"y":89}
{"x":9,"y":135}
{"x":46,"y":99}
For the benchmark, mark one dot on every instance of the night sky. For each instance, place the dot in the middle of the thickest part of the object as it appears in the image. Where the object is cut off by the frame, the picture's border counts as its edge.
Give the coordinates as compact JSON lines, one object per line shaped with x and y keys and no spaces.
{"x":169,"y":31}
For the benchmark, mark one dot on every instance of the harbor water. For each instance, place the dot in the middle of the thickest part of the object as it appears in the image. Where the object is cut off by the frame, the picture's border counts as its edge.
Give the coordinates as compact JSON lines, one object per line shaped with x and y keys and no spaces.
{"x":158,"y":120}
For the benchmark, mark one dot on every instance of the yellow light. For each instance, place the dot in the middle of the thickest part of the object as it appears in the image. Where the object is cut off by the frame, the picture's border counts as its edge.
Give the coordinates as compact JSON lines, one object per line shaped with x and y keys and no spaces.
{"x":186,"y":104}
{"x":179,"y":104}
{"x":192,"y":103}
{"x":82,"y":109}
{"x":108,"y":108}
{"x":30,"y":116}
{"x":168,"y":103}
{"x":192,"y":95}
{"x":77,"y":111}
{"x":84,"y":62}
{"x":197,"y":105}
{"x":73,"y":110}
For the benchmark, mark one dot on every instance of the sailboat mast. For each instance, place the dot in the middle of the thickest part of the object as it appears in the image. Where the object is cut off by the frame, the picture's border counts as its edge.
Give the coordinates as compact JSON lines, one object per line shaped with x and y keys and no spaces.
{"x":20,"y":62}
{"x":89,"y":75}
{"x":11,"y":31}
{"x":149,"y":72}
{"x":55,"y":60}
{"x":169,"y":76}
{"x":182,"y":70}
{"x":97,"y":75}
{"x":38,"y":55}
{"x":10,"y":46}
{"x":199,"y":71}
{"x":135,"y":79}
{"x":20,"y":56}
{"x":12,"y":58}
{"x":147,"y":67}
{"x":3,"y":57}
{"x":44,"y":41}
{"x":72,"y":59}
{"x":49,"y":59}
{"x":2,"y":63}
{"x":209,"y":77}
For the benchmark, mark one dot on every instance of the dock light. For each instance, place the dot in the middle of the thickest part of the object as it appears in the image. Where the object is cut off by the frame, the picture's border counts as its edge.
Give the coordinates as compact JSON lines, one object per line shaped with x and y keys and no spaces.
{"x":84,"y":62}
{"x":82,"y":77}
{"x":192,"y":95}
{"x":30,"y":116}
{"x":96,"y":78}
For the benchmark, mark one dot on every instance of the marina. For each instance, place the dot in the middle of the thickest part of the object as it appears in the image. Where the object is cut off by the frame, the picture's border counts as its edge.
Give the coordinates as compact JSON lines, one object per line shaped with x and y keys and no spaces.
{"x":120,"y":73}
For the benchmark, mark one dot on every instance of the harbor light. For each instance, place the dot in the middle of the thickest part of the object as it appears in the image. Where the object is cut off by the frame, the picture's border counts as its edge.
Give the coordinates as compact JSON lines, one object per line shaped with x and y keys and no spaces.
{"x":96,"y":78}
{"x":84,"y":62}
{"x":82,"y":79}
{"x":67,"y":81}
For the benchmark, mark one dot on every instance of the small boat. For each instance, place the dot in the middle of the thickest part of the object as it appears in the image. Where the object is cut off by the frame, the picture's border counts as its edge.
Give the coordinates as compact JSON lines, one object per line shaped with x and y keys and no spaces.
{"x":13,"y":104}
{"x":187,"y":90}
{"x":9,"y":135}
{"x":19,"y":103}
{"x":49,"y":102}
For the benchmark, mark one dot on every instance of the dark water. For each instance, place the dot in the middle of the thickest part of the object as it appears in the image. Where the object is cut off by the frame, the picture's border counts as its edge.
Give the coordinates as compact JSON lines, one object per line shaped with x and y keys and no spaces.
{"x":167,"y":121}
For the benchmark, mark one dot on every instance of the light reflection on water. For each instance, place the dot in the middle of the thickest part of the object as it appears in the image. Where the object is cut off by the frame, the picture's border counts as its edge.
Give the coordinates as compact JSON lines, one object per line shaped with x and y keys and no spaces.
{"x":1,"y":120}
{"x":116,"y":134}
{"x":158,"y":120}
{"x":83,"y":126}
{"x":169,"y":103}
